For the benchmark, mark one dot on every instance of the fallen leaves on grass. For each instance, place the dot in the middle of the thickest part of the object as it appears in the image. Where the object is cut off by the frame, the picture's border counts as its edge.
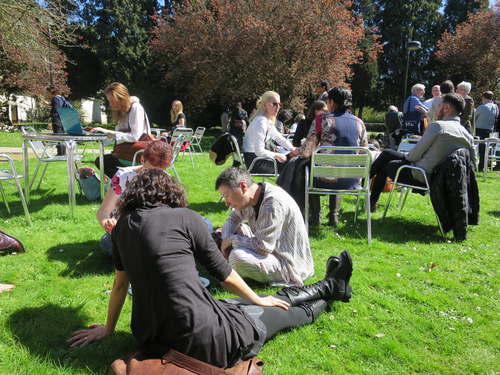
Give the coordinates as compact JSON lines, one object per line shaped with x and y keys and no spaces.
{"x":379,"y":335}
{"x":6,"y":287}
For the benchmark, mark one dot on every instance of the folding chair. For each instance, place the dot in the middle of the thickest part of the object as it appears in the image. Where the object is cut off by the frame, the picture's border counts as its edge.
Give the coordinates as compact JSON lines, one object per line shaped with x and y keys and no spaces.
{"x":237,"y":155}
{"x":44,"y":152}
{"x":347,"y":162}
{"x":494,"y":150}
{"x":11,"y":174}
{"x":176,"y":149}
{"x":405,"y":189}
{"x":197,"y":136}
{"x":187,"y":133}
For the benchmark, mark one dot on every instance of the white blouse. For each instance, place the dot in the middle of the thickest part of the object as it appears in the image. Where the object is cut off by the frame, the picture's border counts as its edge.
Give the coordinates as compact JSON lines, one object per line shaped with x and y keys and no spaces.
{"x":135,"y":124}
{"x":258,"y":133}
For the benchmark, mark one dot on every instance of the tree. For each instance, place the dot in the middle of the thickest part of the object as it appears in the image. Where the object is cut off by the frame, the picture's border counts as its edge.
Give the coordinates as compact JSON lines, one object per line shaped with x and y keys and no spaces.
{"x":472,"y":53}
{"x":230,"y":50}
{"x":399,"y":21}
{"x":30,"y":36}
{"x":456,"y":12}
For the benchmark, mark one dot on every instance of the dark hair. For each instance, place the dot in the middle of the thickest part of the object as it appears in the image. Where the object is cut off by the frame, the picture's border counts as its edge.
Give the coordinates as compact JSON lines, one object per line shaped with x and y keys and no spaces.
{"x":323,"y":83}
{"x":151,"y":186}
{"x":342,"y":97}
{"x":284,"y":116}
{"x":456,"y":101}
{"x":232,"y":177}
{"x":316,"y":106}
{"x":488,"y":95}
{"x":52,"y":89}
{"x":158,"y":154}
{"x":447,"y":87}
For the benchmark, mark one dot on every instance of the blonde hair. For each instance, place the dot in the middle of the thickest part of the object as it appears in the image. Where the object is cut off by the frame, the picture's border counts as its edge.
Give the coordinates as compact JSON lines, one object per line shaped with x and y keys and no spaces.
{"x":175,"y":110}
{"x":260,"y":109}
{"x":120,"y":92}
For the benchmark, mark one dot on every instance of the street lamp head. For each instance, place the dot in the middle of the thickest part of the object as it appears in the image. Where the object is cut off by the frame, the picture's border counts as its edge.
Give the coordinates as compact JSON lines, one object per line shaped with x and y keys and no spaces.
{"x":413,"y":45}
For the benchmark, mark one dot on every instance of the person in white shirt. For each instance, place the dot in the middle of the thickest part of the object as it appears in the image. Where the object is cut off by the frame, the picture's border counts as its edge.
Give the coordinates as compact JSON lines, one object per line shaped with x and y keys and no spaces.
{"x":264,"y":238}
{"x":260,"y":133}
{"x":436,"y":93}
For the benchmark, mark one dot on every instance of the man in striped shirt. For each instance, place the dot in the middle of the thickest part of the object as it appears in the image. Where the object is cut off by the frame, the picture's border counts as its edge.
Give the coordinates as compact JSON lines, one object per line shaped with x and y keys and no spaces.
{"x":264,"y":238}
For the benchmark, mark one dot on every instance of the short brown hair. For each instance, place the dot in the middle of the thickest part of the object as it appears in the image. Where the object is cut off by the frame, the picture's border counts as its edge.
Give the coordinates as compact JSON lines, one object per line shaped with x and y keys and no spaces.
{"x":456,"y":101}
{"x":158,"y":154}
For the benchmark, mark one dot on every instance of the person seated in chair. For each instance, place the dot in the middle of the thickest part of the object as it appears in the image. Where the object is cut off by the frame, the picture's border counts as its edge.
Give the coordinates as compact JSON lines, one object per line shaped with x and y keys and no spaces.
{"x":440,"y":139}
{"x":339,"y":127}
{"x":274,"y":246}
{"x":157,"y":242}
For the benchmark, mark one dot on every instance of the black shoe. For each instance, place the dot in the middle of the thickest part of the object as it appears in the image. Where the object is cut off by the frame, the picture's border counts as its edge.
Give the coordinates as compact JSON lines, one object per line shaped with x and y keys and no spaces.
{"x":343,"y":271}
{"x":331,"y":265}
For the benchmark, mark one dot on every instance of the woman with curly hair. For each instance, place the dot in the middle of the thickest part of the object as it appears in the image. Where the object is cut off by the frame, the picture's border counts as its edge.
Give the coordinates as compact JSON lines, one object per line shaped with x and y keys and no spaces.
{"x":156,"y":245}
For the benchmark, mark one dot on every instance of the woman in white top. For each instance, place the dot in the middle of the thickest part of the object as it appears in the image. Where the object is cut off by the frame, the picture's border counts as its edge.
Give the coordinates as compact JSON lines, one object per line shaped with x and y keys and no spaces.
{"x":131,"y":119}
{"x":261,"y":132}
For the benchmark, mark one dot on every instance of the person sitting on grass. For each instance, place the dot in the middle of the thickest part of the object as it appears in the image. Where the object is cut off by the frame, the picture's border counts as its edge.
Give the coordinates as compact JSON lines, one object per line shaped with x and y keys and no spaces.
{"x":274,"y":246}
{"x":441,"y":138}
{"x":158,"y":155}
{"x":157,"y":242}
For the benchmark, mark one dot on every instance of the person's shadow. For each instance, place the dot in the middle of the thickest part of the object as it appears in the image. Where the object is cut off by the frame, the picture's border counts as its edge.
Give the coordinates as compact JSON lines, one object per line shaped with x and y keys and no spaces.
{"x":43,"y":332}
{"x":82,"y":258}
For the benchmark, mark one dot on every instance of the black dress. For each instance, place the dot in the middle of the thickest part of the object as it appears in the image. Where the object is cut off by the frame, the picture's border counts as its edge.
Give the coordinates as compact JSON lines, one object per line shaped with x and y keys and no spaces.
{"x":158,"y":247}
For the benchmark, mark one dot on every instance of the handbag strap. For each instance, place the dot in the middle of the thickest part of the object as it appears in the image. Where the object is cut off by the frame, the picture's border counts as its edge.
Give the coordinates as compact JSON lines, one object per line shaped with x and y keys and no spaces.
{"x":192,"y":364}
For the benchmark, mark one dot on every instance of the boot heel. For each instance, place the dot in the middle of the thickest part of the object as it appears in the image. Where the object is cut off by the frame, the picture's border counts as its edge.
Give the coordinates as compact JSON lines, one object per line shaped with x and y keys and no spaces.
{"x":347,"y":295}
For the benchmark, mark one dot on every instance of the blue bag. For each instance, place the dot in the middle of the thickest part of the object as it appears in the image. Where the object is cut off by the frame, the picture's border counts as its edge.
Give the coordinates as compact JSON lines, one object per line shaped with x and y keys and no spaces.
{"x":90,"y":184}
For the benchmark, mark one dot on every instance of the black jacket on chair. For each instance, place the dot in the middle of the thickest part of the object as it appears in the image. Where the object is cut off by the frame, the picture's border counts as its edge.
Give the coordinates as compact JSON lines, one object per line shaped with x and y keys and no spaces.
{"x":455,"y":194}
{"x":222,"y":149}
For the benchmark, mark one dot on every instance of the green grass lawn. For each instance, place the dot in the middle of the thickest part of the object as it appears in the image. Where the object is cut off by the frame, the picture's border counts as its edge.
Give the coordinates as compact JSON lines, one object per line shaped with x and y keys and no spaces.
{"x":405,"y":317}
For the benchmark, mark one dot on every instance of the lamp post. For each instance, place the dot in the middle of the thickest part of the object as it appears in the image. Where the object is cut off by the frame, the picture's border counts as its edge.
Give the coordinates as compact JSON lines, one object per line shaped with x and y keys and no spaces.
{"x":411,"y":45}
{"x":51,"y":81}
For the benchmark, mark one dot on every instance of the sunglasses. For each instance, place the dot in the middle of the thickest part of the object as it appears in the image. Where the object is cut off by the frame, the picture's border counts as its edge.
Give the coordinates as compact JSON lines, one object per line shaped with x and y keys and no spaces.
{"x":276,"y":104}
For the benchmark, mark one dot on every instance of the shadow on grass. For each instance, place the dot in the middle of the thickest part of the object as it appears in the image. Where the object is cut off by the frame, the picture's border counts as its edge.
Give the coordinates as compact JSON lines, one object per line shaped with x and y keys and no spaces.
{"x":393,"y":229}
{"x":43,"y":331}
{"x":83,"y":258}
{"x":494,"y":213}
{"x":208,"y":207}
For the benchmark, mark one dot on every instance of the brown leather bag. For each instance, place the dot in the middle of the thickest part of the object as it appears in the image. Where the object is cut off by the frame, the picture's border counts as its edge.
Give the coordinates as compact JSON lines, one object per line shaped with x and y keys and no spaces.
{"x":127,"y":150}
{"x":175,"y":363}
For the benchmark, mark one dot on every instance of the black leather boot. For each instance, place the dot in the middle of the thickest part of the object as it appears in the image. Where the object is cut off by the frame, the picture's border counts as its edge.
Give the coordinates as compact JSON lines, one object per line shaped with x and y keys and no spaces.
{"x":314,"y":309}
{"x":335,"y":286}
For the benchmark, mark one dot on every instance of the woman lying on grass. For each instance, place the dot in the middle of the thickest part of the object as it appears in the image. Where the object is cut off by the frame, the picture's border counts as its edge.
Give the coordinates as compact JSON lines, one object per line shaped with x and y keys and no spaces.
{"x":156,"y":243}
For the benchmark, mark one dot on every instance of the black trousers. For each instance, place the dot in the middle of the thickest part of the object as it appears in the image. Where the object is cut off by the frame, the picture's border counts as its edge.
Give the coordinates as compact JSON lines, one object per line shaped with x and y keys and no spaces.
{"x":58,"y":128}
{"x":482,"y":134}
{"x":261,"y":166}
{"x":386,"y":165}
{"x":111,"y":165}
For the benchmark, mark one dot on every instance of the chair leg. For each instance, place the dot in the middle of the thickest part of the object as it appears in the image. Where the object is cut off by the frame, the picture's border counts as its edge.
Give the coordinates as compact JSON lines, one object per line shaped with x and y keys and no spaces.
{"x":406,"y":192}
{"x":388,"y":202}
{"x":368,"y":219}
{"x":42,"y":176}
{"x":306,"y":211}
{"x":191,"y":156}
{"x":35,"y":174}
{"x":4,"y":198}
{"x":441,"y":230}
{"x":356,"y":209}
{"x":23,"y":201}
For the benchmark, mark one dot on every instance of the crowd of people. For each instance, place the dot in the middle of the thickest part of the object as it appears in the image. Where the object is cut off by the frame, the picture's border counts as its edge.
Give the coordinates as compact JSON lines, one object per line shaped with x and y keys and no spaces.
{"x":158,"y":244}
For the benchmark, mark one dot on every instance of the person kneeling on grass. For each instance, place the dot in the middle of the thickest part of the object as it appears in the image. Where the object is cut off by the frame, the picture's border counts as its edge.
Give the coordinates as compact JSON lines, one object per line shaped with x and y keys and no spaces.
{"x":156,"y":244}
{"x":274,"y":246}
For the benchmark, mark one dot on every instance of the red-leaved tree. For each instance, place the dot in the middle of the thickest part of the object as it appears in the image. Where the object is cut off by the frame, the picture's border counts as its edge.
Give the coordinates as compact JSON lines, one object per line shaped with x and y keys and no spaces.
{"x":227,"y":50}
{"x":473,"y":53}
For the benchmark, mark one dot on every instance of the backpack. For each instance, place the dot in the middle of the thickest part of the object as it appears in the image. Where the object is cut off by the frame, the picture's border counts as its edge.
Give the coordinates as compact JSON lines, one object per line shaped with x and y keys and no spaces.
{"x":89,"y":182}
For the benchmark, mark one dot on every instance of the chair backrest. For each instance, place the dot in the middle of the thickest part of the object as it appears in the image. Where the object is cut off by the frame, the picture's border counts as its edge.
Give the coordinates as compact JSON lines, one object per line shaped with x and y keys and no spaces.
{"x":39,"y":148}
{"x":176,"y":148}
{"x":187,"y":133}
{"x":199,"y":132}
{"x":7,"y":174}
{"x":237,"y":156}
{"x":341,"y":162}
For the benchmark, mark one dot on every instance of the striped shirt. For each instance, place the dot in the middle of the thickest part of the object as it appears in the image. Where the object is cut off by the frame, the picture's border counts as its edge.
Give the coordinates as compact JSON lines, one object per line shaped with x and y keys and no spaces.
{"x":278,"y":229}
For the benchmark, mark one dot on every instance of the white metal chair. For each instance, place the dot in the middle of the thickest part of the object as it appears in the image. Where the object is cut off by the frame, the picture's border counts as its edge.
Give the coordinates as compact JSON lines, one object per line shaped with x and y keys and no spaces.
{"x":11,"y":174}
{"x":237,"y":155}
{"x":353,"y":162}
{"x":137,"y":157}
{"x":187,"y":134}
{"x":405,"y":189}
{"x":45,"y":154}
{"x":494,"y":150}
{"x":197,"y":136}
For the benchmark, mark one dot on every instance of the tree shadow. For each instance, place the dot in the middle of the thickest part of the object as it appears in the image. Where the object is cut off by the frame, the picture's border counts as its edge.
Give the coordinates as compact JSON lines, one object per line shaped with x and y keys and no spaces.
{"x":393,"y":229}
{"x":83,"y":258}
{"x":494,"y":213}
{"x":205,"y":208}
{"x":43,"y":331}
